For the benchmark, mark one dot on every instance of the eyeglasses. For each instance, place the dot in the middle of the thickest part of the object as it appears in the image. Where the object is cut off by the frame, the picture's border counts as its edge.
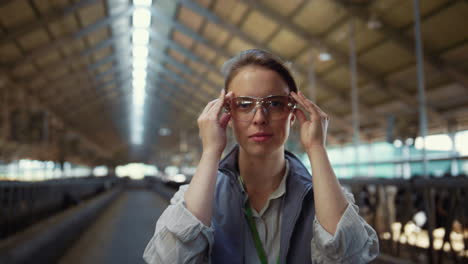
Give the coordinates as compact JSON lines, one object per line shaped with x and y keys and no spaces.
{"x":276,"y":107}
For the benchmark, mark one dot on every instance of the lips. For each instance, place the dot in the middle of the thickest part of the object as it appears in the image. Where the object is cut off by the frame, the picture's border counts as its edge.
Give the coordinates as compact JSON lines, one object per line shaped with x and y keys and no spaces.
{"x":261,"y":137}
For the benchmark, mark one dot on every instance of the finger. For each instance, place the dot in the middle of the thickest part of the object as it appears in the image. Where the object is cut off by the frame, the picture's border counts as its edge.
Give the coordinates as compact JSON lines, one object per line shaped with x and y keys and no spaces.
{"x":216,"y":109}
{"x":300,"y":115}
{"x":300,"y":101}
{"x":299,"y":97}
{"x":224,"y":120}
{"x":208,"y":106}
{"x":228,"y":97}
{"x":230,"y":94}
{"x":296,"y":98}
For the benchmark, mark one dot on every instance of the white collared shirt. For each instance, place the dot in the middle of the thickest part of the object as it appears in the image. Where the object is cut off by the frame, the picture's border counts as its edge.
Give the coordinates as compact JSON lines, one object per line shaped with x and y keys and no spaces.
{"x":268,"y":223}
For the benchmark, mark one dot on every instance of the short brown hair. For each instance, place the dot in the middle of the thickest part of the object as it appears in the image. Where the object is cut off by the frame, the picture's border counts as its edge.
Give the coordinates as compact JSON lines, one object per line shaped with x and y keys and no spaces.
{"x":257,"y":57}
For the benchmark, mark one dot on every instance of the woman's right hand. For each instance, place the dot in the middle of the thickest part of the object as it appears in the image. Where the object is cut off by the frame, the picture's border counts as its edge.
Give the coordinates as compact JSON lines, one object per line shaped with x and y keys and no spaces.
{"x":212,"y":125}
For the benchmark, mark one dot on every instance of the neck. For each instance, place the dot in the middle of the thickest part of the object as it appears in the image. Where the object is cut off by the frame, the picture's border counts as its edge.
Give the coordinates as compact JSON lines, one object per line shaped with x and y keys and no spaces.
{"x":262,"y":174}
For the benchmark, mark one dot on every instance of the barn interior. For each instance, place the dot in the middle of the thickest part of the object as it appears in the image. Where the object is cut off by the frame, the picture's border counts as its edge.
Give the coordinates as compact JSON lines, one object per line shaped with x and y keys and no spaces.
{"x":99,"y":101}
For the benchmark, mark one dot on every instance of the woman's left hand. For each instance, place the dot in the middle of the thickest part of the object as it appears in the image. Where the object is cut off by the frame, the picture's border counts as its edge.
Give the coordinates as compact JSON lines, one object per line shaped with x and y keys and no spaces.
{"x":314,"y":128}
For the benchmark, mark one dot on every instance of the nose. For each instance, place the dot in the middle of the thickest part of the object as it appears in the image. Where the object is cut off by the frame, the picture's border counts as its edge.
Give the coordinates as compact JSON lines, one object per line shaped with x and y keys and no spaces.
{"x":260,"y":115}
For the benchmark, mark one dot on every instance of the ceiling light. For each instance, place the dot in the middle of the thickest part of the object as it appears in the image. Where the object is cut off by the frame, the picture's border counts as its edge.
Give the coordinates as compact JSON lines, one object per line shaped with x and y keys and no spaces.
{"x":324,"y":56}
{"x":140,"y":36}
{"x":138,"y":100}
{"x":136,"y":121}
{"x":141,"y":21}
{"x":139,"y":74}
{"x":140,"y":63}
{"x":138,"y":83}
{"x":142,"y":2}
{"x":140,"y":51}
{"x":139,"y":93}
{"x":137,"y":139}
{"x":141,"y":18}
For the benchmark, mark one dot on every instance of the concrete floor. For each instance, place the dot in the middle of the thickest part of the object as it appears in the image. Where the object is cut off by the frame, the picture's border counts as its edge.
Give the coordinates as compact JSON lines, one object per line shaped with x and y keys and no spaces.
{"x":121,"y":232}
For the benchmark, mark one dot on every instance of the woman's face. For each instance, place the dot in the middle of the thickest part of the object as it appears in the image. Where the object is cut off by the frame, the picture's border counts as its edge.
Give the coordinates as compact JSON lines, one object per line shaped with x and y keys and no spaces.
{"x":255,"y":81}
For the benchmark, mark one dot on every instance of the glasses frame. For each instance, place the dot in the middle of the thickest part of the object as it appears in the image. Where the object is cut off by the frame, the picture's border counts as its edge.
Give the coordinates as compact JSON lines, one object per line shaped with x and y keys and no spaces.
{"x":259,"y":101}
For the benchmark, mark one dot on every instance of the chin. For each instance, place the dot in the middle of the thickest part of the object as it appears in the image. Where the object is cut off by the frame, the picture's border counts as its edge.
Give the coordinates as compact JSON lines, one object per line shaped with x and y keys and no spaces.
{"x":260,"y":150}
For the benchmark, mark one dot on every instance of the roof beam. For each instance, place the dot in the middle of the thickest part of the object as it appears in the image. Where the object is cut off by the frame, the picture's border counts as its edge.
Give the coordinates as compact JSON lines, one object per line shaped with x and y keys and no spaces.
{"x":79,"y":82}
{"x":390,"y":89}
{"x":44,"y":20}
{"x":188,"y":101}
{"x":156,"y":36}
{"x":155,"y":56}
{"x":88,"y":80}
{"x":122,"y":71}
{"x":168,"y":95}
{"x":6,"y":2}
{"x":101,"y":87}
{"x":121,"y":83}
{"x":77,"y":79}
{"x":51,"y":47}
{"x":67,"y":62}
{"x":406,"y":43}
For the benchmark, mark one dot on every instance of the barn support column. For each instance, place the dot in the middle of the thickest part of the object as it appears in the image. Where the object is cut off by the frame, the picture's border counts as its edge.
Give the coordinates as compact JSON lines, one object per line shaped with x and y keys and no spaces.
{"x":421,"y":85}
{"x":354,"y":94}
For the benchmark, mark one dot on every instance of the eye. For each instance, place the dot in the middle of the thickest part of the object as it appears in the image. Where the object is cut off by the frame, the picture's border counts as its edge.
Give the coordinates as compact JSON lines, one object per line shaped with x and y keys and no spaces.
{"x":244,"y":104}
{"x":276,"y":103}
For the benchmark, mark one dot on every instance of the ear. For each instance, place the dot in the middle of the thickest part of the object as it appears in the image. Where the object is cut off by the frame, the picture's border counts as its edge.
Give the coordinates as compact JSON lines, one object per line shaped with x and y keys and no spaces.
{"x":293,"y":118}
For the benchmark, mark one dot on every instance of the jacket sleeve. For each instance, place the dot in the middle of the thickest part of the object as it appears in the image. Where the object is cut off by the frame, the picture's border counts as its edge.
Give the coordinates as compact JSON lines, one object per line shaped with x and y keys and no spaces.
{"x":179,"y":237}
{"x":354,"y":241}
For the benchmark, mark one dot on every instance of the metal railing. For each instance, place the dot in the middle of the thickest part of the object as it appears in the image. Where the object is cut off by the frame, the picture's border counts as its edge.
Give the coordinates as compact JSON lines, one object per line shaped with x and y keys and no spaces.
{"x":392,"y":206}
{"x":25,"y":203}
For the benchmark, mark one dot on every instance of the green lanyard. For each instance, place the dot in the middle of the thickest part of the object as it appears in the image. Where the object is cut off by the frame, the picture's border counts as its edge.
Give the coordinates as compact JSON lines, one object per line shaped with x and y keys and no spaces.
{"x":253,"y":228}
{"x":258,"y":243}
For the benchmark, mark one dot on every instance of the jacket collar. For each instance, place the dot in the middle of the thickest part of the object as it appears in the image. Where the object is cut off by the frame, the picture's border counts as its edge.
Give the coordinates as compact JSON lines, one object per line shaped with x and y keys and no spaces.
{"x":296,"y":168}
{"x":229,"y":162}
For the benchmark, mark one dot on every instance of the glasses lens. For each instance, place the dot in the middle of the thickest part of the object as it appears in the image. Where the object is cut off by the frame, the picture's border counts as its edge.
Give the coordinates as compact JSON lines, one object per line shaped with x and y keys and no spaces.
{"x":242,"y":108}
{"x":276,"y":107}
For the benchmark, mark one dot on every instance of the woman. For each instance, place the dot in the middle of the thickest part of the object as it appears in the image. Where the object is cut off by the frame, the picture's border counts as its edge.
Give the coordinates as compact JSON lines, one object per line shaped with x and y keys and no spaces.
{"x":260,"y":204}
